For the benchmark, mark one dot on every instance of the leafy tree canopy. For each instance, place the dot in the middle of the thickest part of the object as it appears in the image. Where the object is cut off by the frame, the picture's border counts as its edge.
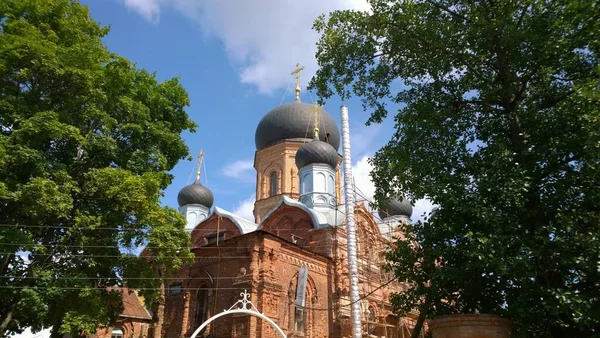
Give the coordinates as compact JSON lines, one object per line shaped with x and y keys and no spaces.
{"x":87,"y":141}
{"x":498,"y":125}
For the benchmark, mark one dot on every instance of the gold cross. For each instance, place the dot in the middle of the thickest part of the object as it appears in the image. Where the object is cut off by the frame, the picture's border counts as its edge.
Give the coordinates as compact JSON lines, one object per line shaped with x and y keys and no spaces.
{"x":200,"y":158}
{"x":296,"y":74}
{"x":316,"y":112}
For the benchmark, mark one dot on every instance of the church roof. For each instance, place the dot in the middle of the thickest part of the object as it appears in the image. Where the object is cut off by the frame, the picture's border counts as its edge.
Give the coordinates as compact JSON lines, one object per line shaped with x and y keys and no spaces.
{"x":319,"y":219}
{"x":316,"y":151}
{"x":245,"y":226}
{"x":195,"y":193}
{"x":132,"y":307}
{"x":294,"y":121}
{"x":395,"y":207}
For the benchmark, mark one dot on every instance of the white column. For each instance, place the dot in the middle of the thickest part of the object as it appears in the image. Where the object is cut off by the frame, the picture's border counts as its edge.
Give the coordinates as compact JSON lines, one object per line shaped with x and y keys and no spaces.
{"x":350,"y":228}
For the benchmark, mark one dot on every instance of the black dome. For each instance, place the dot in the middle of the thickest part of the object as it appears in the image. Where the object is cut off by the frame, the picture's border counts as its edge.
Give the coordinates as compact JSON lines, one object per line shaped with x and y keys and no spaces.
{"x":195,"y":193}
{"x":294,"y":121}
{"x":316,"y":152}
{"x":396,"y":207}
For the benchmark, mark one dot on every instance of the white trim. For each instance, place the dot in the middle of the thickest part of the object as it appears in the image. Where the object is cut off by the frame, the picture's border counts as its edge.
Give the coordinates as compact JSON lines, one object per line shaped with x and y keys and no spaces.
{"x":244,"y":226}
{"x":317,"y":223}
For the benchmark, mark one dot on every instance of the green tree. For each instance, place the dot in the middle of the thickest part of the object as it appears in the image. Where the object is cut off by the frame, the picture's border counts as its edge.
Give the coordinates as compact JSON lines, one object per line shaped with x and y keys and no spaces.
{"x":499,"y":125}
{"x":87,"y":141}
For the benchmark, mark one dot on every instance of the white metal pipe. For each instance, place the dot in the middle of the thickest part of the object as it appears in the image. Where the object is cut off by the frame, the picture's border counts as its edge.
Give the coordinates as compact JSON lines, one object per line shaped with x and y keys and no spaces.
{"x":350,"y":227}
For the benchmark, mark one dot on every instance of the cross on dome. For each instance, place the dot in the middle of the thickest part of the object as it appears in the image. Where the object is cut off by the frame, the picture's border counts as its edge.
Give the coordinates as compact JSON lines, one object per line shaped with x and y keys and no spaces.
{"x":296,"y":74}
{"x":200,"y":157}
{"x":316,"y":108}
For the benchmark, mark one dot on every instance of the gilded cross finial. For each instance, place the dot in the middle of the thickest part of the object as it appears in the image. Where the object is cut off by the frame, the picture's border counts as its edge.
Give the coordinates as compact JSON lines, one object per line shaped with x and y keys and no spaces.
{"x":200,"y":158}
{"x":316,"y":123}
{"x":296,"y":74}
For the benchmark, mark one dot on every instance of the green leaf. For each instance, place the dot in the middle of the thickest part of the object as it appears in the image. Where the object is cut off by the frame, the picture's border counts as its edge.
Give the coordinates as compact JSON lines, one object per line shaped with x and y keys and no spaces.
{"x":496,"y":110}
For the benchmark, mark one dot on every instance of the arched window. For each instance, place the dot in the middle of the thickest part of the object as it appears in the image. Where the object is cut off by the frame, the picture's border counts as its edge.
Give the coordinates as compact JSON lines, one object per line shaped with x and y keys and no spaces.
{"x":201,"y":303}
{"x":392,"y":326}
{"x":371,"y":320}
{"x":300,"y":315}
{"x":273,"y":184}
{"x":117,"y":332}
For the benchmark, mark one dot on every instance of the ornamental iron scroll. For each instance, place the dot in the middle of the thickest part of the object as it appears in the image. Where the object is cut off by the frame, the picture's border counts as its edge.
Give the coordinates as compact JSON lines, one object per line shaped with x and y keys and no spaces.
{"x":243,"y":306}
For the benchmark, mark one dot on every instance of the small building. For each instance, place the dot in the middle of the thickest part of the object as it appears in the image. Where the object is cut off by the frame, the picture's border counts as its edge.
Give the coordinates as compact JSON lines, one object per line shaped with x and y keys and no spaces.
{"x":134,"y":322}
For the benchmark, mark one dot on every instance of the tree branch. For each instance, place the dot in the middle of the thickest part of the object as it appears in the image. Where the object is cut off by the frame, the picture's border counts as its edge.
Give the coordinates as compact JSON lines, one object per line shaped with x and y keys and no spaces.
{"x":448,"y":10}
{"x":556,"y":100}
{"x":520,"y":20}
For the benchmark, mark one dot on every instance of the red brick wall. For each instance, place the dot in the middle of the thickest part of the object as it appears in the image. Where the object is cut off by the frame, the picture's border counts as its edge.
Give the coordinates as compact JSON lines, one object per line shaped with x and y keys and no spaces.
{"x":264,"y":266}
{"x":131,"y":328}
{"x":470,"y":326}
{"x":287,"y":220}
{"x":210,"y":227}
{"x":265,"y":263}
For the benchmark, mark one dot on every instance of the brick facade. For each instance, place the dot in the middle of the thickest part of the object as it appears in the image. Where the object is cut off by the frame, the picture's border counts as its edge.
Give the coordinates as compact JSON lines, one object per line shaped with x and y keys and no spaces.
{"x":470,"y":326}
{"x":134,"y":322}
{"x":131,"y":328}
{"x":266,"y":263}
{"x":281,"y":160}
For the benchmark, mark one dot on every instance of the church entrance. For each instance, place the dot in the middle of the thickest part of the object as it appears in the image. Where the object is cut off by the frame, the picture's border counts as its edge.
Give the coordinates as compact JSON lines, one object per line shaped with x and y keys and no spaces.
{"x":242,"y":306}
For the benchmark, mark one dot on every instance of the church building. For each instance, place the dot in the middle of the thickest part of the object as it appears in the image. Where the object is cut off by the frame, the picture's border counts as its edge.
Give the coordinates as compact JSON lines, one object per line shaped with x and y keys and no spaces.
{"x":291,"y":258}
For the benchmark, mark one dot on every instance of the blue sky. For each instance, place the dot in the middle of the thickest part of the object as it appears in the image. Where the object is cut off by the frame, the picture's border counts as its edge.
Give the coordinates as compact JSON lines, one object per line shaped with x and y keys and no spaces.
{"x":234,"y":57}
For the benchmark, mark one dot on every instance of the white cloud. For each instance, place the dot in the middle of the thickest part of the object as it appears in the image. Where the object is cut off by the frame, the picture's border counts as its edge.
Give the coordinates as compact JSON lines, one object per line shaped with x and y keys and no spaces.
{"x":28,"y":334}
{"x":24,"y":255}
{"x":149,"y":9}
{"x":365,"y":189}
{"x":245,"y":208}
{"x":421,"y":209}
{"x":242,"y":170}
{"x":263,"y":38}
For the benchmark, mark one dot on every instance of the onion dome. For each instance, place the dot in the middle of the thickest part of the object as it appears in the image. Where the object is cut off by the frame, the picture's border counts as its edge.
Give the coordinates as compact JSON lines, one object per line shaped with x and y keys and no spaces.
{"x":316,"y":151}
{"x":195,"y":193}
{"x":395,"y":207}
{"x":292,"y":122}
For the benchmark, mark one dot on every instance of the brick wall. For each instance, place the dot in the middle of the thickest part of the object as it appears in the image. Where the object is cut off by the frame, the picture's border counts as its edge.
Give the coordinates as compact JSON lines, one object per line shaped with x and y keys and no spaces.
{"x":266,"y":263}
{"x":131,"y":327}
{"x":470,"y":326}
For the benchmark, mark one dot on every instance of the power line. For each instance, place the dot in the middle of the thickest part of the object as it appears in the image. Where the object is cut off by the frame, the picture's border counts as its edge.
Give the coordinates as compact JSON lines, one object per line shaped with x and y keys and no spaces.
{"x":58,"y":256}
{"x":120,"y":229}
{"x":192,"y":289}
{"x":196,"y":289}
{"x":100,"y":289}
{"x":146,"y":247}
{"x":119,"y":278}
{"x":362,"y":271}
{"x":359,"y":299}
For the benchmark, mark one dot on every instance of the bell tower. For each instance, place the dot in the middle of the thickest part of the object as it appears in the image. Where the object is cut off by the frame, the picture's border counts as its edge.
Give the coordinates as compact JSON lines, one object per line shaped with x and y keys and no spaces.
{"x":276,"y":175}
{"x":279,"y":135}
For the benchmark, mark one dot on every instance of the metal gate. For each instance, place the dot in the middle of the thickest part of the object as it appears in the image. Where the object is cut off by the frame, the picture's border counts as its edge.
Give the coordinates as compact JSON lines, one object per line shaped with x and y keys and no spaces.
{"x":243,"y":306}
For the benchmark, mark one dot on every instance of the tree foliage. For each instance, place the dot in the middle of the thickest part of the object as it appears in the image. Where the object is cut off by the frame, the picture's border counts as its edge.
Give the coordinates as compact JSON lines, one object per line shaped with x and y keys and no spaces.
{"x":498,"y":125}
{"x":87,"y":141}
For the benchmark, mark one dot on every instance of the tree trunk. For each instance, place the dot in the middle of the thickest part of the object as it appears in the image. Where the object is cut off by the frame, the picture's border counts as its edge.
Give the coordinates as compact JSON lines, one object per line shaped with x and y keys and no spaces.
{"x":6,"y":318}
{"x":423,"y":312}
{"x":160,"y":312}
{"x":5,"y":264}
{"x":55,"y":332}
